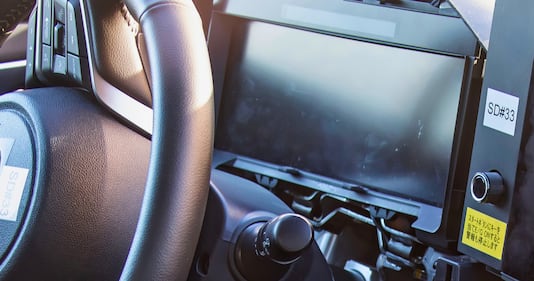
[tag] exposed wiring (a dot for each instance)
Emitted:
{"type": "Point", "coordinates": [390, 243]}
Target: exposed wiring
{"type": "Point", "coordinates": [398, 233]}
{"type": "Point", "coordinates": [353, 215]}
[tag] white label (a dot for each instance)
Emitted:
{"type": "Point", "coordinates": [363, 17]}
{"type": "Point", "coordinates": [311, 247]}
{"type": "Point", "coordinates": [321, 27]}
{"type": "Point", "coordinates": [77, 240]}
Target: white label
{"type": "Point", "coordinates": [500, 112]}
{"type": "Point", "coordinates": [12, 182]}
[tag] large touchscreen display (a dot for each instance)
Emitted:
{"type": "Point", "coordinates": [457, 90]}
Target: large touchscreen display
{"type": "Point", "coordinates": [365, 113]}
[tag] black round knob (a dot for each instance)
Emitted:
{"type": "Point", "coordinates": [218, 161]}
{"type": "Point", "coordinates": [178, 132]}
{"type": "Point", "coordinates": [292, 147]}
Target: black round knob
{"type": "Point", "coordinates": [487, 187]}
{"type": "Point", "coordinates": [284, 238]}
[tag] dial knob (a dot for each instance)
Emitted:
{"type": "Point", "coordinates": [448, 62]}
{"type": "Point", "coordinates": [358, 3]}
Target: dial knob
{"type": "Point", "coordinates": [265, 251]}
{"type": "Point", "coordinates": [284, 238]}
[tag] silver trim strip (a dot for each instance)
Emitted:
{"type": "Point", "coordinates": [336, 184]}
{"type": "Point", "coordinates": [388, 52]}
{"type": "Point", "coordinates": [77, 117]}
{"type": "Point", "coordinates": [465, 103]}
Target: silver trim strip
{"type": "Point", "coordinates": [12, 64]}
{"type": "Point", "coordinates": [133, 111]}
{"type": "Point", "coordinates": [119, 102]}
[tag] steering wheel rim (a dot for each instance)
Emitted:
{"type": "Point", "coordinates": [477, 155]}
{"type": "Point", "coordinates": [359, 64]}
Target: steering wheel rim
{"type": "Point", "coordinates": [178, 179]}
{"type": "Point", "coordinates": [72, 218]}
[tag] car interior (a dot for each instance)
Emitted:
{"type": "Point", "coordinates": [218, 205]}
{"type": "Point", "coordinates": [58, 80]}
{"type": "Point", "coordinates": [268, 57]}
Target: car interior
{"type": "Point", "coordinates": [281, 140]}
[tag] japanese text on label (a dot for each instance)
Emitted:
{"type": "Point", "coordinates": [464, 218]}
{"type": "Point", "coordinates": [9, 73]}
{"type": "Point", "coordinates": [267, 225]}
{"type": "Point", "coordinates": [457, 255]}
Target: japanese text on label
{"type": "Point", "coordinates": [484, 233]}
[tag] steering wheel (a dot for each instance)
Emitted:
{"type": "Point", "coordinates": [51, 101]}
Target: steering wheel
{"type": "Point", "coordinates": [50, 129]}
{"type": "Point", "coordinates": [182, 138]}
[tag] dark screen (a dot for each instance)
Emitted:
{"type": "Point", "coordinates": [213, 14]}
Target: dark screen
{"type": "Point", "coordinates": [365, 113]}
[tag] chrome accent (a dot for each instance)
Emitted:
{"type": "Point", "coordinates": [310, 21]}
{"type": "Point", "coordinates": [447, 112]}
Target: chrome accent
{"type": "Point", "coordinates": [119, 102]}
{"type": "Point", "coordinates": [12, 65]}
{"type": "Point", "coordinates": [133, 111]}
{"type": "Point", "coordinates": [492, 184]}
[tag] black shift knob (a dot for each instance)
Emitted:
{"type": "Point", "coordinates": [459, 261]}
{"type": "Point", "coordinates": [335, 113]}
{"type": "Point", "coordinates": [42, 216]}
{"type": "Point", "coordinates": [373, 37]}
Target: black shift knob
{"type": "Point", "coordinates": [284, 238]}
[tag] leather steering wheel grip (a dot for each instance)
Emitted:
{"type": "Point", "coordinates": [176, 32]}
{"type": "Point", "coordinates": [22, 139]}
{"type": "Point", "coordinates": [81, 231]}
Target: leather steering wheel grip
{"type": "Point", "coordinates": [182, 142]}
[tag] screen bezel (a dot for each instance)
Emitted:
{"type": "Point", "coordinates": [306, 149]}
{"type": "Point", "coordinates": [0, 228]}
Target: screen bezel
{"type": "Point", "coordinates": [223, 30]}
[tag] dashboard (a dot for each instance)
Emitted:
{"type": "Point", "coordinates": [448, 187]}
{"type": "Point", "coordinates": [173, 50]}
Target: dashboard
{"type": "Point", "coordinates": [363, 116]}
{"type": "Point", "coordinates": [389, 130]}
{"type": "Point", "coordinates": [367, 108]}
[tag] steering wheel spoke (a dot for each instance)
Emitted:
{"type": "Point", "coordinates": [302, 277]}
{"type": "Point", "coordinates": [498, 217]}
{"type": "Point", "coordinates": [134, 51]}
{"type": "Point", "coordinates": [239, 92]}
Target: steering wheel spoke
{"type": "Point", "coordinates": [86, 178]}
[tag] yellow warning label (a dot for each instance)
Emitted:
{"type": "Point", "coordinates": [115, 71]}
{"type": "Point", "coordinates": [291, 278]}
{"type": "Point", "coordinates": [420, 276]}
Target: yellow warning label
{"type": "Point", "coordinates": [484, 233]}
